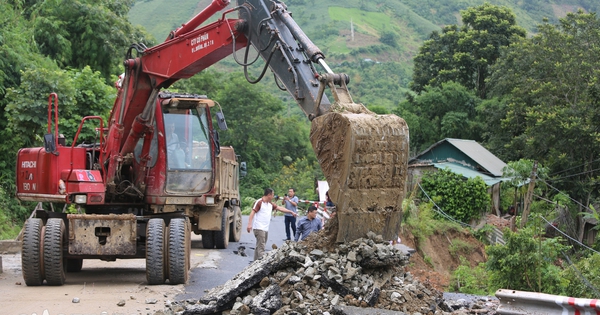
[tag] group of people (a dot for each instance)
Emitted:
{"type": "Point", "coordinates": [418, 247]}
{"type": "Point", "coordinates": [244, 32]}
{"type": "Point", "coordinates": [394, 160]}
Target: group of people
{"type": "Point", "coordinates": [260, 218]}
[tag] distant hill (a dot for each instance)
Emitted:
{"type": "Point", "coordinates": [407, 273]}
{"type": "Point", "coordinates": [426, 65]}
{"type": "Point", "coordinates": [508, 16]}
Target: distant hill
{"type": "Point", "coordinates": [385, 32]}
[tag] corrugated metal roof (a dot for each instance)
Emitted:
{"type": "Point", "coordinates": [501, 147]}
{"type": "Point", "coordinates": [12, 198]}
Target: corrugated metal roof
{"type": "Point", "coordinates": [475, 151]}
{"type": "Point", "coordinates": [480, 155]}
{"type": "Point", "coordinates": [467, 172]}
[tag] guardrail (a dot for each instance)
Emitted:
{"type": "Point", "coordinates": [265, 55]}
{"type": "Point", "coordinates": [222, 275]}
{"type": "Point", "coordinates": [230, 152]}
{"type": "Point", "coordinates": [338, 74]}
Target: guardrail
{"type": "Point", "coordinates": [531, 303]}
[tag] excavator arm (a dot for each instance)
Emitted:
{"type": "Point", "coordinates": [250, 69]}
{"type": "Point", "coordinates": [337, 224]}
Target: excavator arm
{"type": "Point", "coordinates": [363, 156]}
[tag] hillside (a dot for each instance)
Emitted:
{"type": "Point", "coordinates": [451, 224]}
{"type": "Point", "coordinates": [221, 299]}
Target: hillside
{"type": "Point", "coordinates": [386, 34]}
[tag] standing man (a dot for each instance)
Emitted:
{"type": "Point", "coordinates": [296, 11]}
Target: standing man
{"type": "Point", "coordinates": [290, 201]}
{"type": "Point", "coordinates": [310, 223]}
{"type": "Point", "coordinates": [260, 218]}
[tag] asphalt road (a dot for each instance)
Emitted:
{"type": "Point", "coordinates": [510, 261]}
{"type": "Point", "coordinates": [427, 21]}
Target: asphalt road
{"type": "Point", "coordinates": [226, 263]}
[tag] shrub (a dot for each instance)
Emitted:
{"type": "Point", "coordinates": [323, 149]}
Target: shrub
{"type": "Point", "coordinates": [469, 280]}
{"type": "Point", "coordinates": [462, 199]}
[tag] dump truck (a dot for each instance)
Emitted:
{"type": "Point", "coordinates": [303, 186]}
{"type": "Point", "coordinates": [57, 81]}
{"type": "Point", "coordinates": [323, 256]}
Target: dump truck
{"type": "Point", "coordinates": [157, 171]}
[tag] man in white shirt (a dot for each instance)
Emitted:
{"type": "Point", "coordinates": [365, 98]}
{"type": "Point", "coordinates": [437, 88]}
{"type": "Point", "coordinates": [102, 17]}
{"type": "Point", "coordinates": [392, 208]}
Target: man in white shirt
{"type": "Point", "coordinates": [260, 218]}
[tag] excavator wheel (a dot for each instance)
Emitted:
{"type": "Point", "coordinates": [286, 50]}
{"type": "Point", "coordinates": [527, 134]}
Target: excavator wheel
{"type": "Point", "coordinates": [222, 236]}
{"type": "Point", "coordinates": [31, 254]}
{"type": "Point", "coordinates": [235, 228]}
{"type": "Point", "coordinates": [74, 264]}
{"type": "Point", "coordinates": [364, 158]}
{"type": "Point", "coordinates": [178, 251]}
{"type": "Point", "coordinates": [208, 239]}
{"type": "Point", "coordinates": [155, 251]}
{"type": "Point", "coordinates": [54, 262]}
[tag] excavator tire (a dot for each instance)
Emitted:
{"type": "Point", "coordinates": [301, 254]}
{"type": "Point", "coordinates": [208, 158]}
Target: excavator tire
{"type": "Point", "coordinates": [31, 254]}
{"type": "Point", "coordinates": [222, 236]}
{"type": "Point", "coordinates": [74, 264]}
{"type": "Point", "coordinates": [235, 228]}
{"type": "Point", "coordinates": [364, 158]}
{"type": "Point", "coordinates": [179, 242]}
{"type": "Point", "coordinates": [54, 263]}
{"type": "Point", "coordinates": [155, 251]}
{"type": "Point", "coordinates": [208, 239]}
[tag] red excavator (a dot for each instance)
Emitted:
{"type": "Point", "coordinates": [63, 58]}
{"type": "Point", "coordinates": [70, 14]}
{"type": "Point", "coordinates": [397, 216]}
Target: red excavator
{"type": "Point", "coordinates": [157, 171]}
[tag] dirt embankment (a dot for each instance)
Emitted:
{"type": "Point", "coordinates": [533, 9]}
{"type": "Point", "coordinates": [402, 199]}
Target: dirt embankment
{"type": "Point", "coordinates": [438, 255]}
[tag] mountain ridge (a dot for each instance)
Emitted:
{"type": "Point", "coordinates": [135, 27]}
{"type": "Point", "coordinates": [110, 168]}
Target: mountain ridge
{"type": "Point", "coordinates": [386, 33]}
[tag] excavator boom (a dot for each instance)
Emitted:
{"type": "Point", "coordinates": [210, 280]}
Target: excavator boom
{"type": "Point", "coordinates": [363, 156]}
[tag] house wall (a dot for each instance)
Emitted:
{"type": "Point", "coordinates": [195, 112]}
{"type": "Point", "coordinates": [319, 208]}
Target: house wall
{"type": "Point", "coordinates": [414, 176]}
{"type": "Point", "coordinates": [446, 152]}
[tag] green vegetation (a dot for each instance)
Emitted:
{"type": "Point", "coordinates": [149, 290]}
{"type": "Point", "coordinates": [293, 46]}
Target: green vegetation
{"type": "Point", "coordinates": [469, 280]}
{"type": "Point", "coordinates": [461, 199]}
{"type": "Point", "coordinates": [526, 262]}
{"type": "Point", "coordinates": [459, 247]}
{"type": "Point", "coordinates": [583, 277]}
{"type": "Point", "coordinates": [366, 22]}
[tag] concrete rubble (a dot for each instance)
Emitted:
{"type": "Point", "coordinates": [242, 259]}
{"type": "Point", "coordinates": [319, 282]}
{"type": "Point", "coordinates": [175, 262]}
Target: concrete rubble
{"type": "Point", "coordinates": [365, 276]}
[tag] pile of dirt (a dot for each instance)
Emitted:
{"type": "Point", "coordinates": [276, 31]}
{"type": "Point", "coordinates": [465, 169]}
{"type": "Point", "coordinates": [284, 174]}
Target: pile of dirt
{"type": "Point", "coordinates": [301, 279]}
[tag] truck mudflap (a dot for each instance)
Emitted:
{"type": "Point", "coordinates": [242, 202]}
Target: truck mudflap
{"type": "Point", "coordinates": [364, 158]}
{"type": "Point", "coordinates": [102, 234]}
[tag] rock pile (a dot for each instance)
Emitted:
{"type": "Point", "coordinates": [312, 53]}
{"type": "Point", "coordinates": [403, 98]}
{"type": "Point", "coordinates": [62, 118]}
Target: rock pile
{"type": "Point", "coordinates": [320, 279]}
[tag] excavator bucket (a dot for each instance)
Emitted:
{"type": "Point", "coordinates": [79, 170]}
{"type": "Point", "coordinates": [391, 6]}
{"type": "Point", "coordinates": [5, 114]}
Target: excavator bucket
{"type": "Point", "coordinates": [364, 157]}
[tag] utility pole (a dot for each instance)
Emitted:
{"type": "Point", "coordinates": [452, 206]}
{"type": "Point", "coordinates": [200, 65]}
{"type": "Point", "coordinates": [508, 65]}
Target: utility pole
{"type": "Point", "coordinates": [529, 195]}
{"type": "Point", "coordinates": [351, 30]}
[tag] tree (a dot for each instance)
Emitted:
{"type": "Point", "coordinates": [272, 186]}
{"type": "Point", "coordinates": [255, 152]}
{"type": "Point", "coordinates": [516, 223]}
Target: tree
{"type": "Point", "coordinates": [550, 86]}
{"type": "Point", "coordinates": [299, 175]}
{"type": "Point", "coordinates": [389, 38]}
{"type": "Point", "coordinates": [525, 263]}
{"type": "Point", "coordinates": [464, 54]}
{"type": "Point", "coordinates": [79, 33]}
{"type": "Point", "coordinates": [260, 135]}
{"type": "Point", "coordinates": [447, 111]}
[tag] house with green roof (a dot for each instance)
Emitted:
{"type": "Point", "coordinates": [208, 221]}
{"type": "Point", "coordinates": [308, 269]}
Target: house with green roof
{"type": "Point", "coordinates": [465, 157]}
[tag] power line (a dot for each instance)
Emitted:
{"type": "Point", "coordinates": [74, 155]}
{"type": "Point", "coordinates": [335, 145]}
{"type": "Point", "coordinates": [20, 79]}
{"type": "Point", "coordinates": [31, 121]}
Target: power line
{"type": "Point", "coordinates": [574, 167]}
{"type": "Point", "coordinates": [575, 201]}
{"type": "Point", "coordinates": [567, 236]}
{"type": "Point", "coordinates": [583, 278]}
{"type": "Point", "coordinates": [573, 175]}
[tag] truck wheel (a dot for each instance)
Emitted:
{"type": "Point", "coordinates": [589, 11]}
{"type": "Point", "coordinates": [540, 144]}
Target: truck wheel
{"type": "Point", "coordinates": [74, 264]}
{"type": "Point", "coordinates": [179, 242]}
{"type": "Point", "coordinates": [54, 264]}
{"type": "Point", "coordinates": [222, 236]}
{"type": "Point", "coordinates": [235, 229]}
{"type": "Point", "coordinates": [31, 255]}
{"type": "Point", "coordinates": [208, 239]}
{"type": "Point", "coordinates": [155, 251]}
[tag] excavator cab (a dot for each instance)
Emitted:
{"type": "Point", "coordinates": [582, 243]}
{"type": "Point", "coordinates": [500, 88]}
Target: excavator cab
{"type": "Point", "coordinates": [183, 145]}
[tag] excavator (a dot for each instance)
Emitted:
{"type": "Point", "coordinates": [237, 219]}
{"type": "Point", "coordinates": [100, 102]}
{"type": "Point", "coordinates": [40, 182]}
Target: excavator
{"type": "Point", "coordinates": [157, 171]}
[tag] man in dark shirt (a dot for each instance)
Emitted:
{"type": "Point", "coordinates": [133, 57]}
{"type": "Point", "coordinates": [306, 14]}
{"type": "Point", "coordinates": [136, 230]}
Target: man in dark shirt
{"type": "Point", "coordinates": [310, 223]}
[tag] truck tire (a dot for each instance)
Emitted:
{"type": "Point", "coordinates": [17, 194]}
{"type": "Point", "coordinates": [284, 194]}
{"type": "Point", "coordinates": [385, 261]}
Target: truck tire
{"type": "Point", "coordinates": [155, 251]}
{"type": "Point", "coordinates": [179, 243]}
{"type": "Point", "coordinates": [74, 264]}
{"type": "Point", "coordinates": [31, 255]}
{"type": "Point", "coordinates": [222, 236]}
{"type": "Point", "coordinates": [208, 239]}
{"type": "Point", "coordinates": [235, 229]}
{"type": "Point", "coordinates": [54, 263]}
